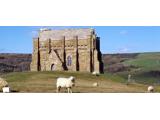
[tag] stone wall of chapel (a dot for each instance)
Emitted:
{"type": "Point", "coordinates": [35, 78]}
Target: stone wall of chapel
{"type": "Point", "coordinates": [84, 53]}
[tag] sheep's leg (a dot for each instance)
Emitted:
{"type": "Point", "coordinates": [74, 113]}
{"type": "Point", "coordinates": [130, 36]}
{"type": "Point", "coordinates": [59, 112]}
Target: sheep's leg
{"type": "Point", "coordinates": [68, 90]}
{"type": "Point", "coordinates": [58, 89]}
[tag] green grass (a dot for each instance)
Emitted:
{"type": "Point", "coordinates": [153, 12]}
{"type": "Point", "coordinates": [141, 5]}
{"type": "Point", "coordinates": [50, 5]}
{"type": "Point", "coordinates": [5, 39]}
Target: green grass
{"type": "Point", "coordinates": [115, 77]}
{"type": "Point", "coordinates": [45, 82]}
{"type": "Point", "coordinates": [145, 63]}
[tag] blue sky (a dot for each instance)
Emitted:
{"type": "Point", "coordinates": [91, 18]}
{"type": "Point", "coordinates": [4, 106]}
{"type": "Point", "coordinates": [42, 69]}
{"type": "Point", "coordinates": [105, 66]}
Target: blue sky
{"type": "Point", "coordinates": [114, 39]}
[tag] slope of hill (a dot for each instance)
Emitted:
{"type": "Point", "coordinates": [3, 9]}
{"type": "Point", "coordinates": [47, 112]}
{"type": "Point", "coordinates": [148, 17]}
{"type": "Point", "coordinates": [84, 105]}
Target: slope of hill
{"type": "Point", "coordinates": [146, 61]}
{"type": "Point", "coordinates": [114, 62]}
{"type": "Point", "coordinates": [45, 82]}
{"type": "Point", "coordinates": [14, 62]}
{"type": "Point", "coordinates": [144, 67]}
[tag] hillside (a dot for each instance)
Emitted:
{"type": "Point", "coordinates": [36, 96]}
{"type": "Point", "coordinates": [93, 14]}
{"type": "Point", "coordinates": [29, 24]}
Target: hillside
{"type": "Point", "coordinates": [114, 62]}
{"type": "Point", "coordinates": [144, 67]}
{"type": "Point", "coordinates": [45, 82]}
{"type": "Point", "coordinates": [14, 62]}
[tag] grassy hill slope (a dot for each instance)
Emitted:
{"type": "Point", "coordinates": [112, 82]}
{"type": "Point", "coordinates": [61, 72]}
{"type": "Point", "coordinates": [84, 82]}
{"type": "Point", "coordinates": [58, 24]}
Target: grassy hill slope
{"type": "Point", "coordinates": [46, 82]}
{"type": "Point", "coordinates": [146, 61]}
{"type": "Point", "coordinates": [144, 67]}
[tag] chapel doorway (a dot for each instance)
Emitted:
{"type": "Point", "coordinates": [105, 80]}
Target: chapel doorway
{"type": "Point", "coordinates": [53, 67]}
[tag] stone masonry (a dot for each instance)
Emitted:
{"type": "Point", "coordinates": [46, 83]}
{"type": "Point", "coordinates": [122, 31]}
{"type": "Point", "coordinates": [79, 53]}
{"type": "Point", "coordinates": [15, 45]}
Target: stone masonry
{"type": "Point", "coordinates": [68, 49]}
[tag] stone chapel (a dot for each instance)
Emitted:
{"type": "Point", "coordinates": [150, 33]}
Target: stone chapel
{"type": "Point", "coordinates": [68, 49]}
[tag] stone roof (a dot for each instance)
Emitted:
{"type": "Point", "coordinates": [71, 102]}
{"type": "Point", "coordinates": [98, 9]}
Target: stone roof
{"type": "Point", "coordinates": [68, 33]}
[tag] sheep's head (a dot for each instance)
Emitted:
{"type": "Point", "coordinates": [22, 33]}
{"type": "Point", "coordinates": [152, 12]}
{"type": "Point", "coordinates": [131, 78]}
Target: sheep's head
{"type": "Point", "coordinates": [95, 73]}
{"type": "Point", "coordinates": [150, 89]}
{"type": "Point", "coordinates": [72, 80]}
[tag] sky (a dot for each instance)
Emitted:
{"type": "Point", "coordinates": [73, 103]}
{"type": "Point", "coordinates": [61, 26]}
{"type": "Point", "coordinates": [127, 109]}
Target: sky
{"type": "Point", "coordinates": [113, 39]}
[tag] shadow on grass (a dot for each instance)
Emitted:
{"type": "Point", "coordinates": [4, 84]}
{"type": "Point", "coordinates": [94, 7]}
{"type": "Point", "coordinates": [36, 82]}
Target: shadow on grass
{"type": "Point", "coordinates": [14, 91]}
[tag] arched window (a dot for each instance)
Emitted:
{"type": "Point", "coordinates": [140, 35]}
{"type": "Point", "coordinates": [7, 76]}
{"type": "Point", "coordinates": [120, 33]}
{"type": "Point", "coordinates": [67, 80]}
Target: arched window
{"type": "Point", "coordinates": [69, 61]}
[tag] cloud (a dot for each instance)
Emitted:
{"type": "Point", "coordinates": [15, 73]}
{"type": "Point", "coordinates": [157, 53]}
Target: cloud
{"type": "Point", "coordinates": [124, 32]}
{"type": "Point", "coordinates": [124, 50]}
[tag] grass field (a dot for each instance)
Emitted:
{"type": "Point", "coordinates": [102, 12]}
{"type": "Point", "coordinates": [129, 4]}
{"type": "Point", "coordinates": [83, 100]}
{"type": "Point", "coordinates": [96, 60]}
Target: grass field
{"type": "Point", "coordinates": [147, 68]}
{"type": "Point", "coordinates": [146, 61]}
{"type": "Point", "coordinates": [45, 82]}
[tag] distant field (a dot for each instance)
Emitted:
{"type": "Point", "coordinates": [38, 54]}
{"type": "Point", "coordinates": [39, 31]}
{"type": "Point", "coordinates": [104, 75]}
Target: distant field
{"type": "Point", "coordinates": [144, 67]}
{"type": "Point", "coordinates": [45, 82]}
{"type": "Point", "coordinates": [146, 61]}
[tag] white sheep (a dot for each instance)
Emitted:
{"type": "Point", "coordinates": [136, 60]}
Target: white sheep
{"type": "Point", "coordinates": [6, 89]}
{"type": "Point", "coordinates": [150, 89]}
{"type": "Point", "coordinates": [65, 83]}
{"type": "Point", "coordinates": [95, 84]}
{"type": "Point", "coordinates": [95, 73]}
